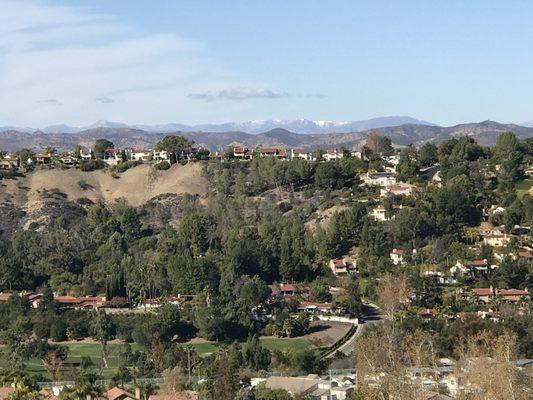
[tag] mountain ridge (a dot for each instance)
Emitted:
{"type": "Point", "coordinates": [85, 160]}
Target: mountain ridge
{"type": "Point", "coordinates": [485, 132]}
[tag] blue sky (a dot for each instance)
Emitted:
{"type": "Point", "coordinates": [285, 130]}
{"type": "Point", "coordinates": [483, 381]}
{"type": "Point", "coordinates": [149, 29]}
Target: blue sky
{"type": "Point", "coordinates": [214, 61]}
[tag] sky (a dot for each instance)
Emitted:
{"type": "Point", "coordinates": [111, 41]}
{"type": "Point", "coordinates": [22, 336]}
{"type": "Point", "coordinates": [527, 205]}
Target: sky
{"type": "Point", "coordinates": [157, 61]}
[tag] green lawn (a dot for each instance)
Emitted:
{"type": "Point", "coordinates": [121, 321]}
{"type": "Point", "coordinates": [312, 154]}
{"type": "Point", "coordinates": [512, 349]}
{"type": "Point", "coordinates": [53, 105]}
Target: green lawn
{"type": "Point", "coordinates": [76, 352]}
{"type": "Point", "coordinates": [523, 186]}
{"type": "Point", "coordinates": [79, 350]}
{"type": "Point", "coordinates": [297, 344]}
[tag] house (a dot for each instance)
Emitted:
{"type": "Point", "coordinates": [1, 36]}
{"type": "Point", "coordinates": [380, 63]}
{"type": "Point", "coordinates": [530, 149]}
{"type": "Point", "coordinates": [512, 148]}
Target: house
{"type": "Point", "coordinates": [42, 159]}
{"type": "Point", "coordinates": [5, 296]}
{"type": "Point", "coordinates": [68, 160]}
{"type": "Point", "coordinates": [332, 155]}
{"type": "Point", "coordinates": [342, 266]}
{"type": "Point", "coordinates": [289, 290]}
{"type": "Point", "coordinates": [315, 307]}
{"type": "Point", "coordinates": [160, 156]}
{"type": "Point", "coordinates": [379, 178]}
{"type": "Point", "coordinates": [525, 255]}
{"type": "Point", "coordinates": [242, 153]}
{"type": "Point", "coordinates": [402, 189]}
{"type": "Point", "coordinates": [310, 386]}
{"type": "Point", "coordinates": [9, 162]}
{"type": "Point", "coordinates": [111, 156]}
{"type": "Point", "coordinates": [512, 295]}
{"type": "Point", "coordinates": [498, 240]}
{"type": "Point", "coordinates": [134, 154]}
{"type": "Point", "coordinates": [396, 256]}
{"type": "Point", "coordinates": [302, 154]}
{"type": "Point", "coordinates": [117, 393]}
{"type": "Point", "coordinates": [272, 152]}
{"type": "Point", "coordinates": [486, 229]}
{"type": "Point", "coordinates": [82, 303]}
{"type": "Point", "coordinates": [426, 313]}
{"type": "Point", "coordinates": [185, 395]}
{"type": "Point", "coordinates": [85, 154]}
{"type": "Point", "coordinates": [393, 159]}
{"type": "Point", "coordinates": [483, 295]}
{"type": "Point", "coordinates": [379, 213]}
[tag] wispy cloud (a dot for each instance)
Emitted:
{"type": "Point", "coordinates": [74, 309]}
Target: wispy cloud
{"type": "Point", "coordinates": [238, 94]}
{"type": "Point", "coordinates": [104, 100]}
{"type": "Point", "coordinates": [51, 102]}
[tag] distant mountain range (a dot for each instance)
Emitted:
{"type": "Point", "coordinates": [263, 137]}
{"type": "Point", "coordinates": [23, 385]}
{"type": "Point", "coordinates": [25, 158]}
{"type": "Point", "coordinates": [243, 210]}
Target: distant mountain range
{"type": "Point", "coordinates": [485, 132]}
{"type": "Point", "coordinates": [297, 126]}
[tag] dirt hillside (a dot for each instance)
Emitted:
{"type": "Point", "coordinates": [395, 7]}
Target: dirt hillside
{"type": "Point", "coordinates": [137, 185]}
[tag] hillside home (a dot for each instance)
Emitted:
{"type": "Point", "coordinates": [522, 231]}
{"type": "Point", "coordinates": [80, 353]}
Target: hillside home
{"type": "Point", "coordinates": [272, 152]}
{"type": "Point", "coordinates": [499, 240]}
{"type": "Point", "coordinates": [402, 189]}
{"type": "Point", "coordinates": [134, 154]}
{"type": "Point", "coordinates": [525, 255]}
{"type": "Point", "coordinates": [379, 213]}
{"type": "Point", "coordinates": [289, 290]}
{"type": "Point", "coordinates": [242, 153]}
{"type": "Point", "coordinates": [486, 229]}
{"type": "Point", "coordinates": [342, 266]}
{"type": "Point", "coordinates": [42, 159]}
{"type": "Point", "coordinates": [302, 154]}
{"type": "Point", "coordinates": [85, 154]}
{"type": "Point", "coordinates": [332, 155]}
{"type": "Point", "coordinates": [111, 156]}
{"type": "Point", "coordinates": [117, 393]}
{"type": "Point", "coordinates": [68, 160]}
{"type": "Point", "coordinates": [396, 256]}
{"type": "Point", "coordinates": [9, 162]}
{"type": "Point", "coordinates": [379, 178]}
{"type": "Point", "coordinates": [160, 156]}
{"type": "Point", "coordinates": [314, 307]}
{"type": "Point", "coordinates": [184, 395]}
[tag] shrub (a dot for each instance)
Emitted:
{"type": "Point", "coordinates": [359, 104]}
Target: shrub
{"type": "Point", "coordinates": [163, 165]}
{"type": "Point", "coordinates": [91, 165]}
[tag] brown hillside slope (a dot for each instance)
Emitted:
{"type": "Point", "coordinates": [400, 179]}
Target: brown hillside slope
{"type": "Point", "coordinates": [137, 185]}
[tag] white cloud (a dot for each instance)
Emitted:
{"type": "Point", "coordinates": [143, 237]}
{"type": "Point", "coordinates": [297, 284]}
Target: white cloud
{"type": "Point", "coordinates": [238, 94]}
{"type": "Point", "coordinates": [85, 59]}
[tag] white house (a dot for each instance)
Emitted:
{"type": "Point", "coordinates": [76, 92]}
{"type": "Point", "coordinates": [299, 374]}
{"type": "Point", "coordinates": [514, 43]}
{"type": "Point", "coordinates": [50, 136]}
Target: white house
{"type": "Point", "coordinates": [396, 256]}
{"type": "Point", "coordinates": [379, 213]}
{"type": "Point", "coordinates": [302, 154]}
{"type": "Point", "coordinates": [85, 154]}
{"type": "Point", "coordinates": [138, 154]}
{"type": "Point", "coordinates": [159, 155]}
{"type": "Point", "coordinates": [111, 156]}
{"type": "Point", "coordinates": [332, 155]}
{"type": "Point", "coordinates": [379, 178]}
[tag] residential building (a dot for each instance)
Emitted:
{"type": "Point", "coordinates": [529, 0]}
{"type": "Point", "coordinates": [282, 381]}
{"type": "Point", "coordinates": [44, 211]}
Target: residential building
{"type": "Point", "coordinates": [111, 156]}
{"type": "Point", "coordinates": [134, 154]}
{"type": "Point", "coordinates": [42, 159]}
{"type": "Point", "coordinates": [9, 162]}
{"type": "Point", "coordinates": [302, 154]}
{"type": "Point", "coordinates": [289, 290]}
{"type": "Point", "coordinates": [342, 266]}
{"type": "Point", "coordinates": [160, 156]}
{"type": "Point", "coordinates": [332, 155]}
{"type": "Point", "coordinates": [379, 178]}
{"type": "Point", "coordinates": [184, 395]}
{"type": "Point", "coordinates": [68, 160]}
{"type": "Point", "coordinates": [396, 256]}
{"type": "Point", "coordinates": [315, 307]}
{"type": "Point", "coordinates": [402, 189]}
{"type": "Point", "coordinates": [379, 213]}
{"type": "Point", "coordinates": [272, 152]}
{"type": "Point", "coordinates": [498, 240]}
{"type": "Point", "coordinates": [242, 153]}
{"type": "Point", "coordinates": [85, 154]}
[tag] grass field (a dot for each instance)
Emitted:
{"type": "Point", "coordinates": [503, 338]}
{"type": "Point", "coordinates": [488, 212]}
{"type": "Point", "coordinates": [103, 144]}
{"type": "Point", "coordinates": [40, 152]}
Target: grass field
{"type": "Point", "coordinates": [523, 186]}
{"type": "Point", "coordinates": [79, 350]}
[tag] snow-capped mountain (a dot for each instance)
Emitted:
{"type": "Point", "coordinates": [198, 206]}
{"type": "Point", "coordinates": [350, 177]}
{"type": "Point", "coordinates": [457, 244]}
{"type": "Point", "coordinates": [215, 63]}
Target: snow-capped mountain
{"type": "Point", "coordinates": [253, 127]}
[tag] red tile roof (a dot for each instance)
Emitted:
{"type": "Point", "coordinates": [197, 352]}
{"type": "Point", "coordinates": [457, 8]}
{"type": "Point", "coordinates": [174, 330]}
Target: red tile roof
{"type": "Point", "coordinates": [482, 291]}
{"type": "Point", "coordinates": [512, 292]}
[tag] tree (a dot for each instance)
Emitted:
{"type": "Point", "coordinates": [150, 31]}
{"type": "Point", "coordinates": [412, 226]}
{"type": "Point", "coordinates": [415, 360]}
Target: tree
{"type": "Point", "coordinates": [394, 293]}
{"type": "Point", "coordinates": [378, 144]}
{"type": "Point", "coordinates": [100, 146]}
{"type": "Point", "coordinates": [428, 154]}
{"type": "Point", "coordinates": [177, 147]}
{"type": "Point", "coordinates": [103, 331]}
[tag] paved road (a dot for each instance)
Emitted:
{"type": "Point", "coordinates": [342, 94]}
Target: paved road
{"type": "Point", "coordinates": [372, 316]}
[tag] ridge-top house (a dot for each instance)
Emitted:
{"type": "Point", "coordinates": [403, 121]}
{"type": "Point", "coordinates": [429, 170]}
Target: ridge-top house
{"type": "Point", "coordinates": [111, 156]}
{"type": "Point", "coordinates": [85, 154]}
{"type": "Point", "coordinates": [302, 154]}
{"type": "Point", "coordinates": [242, 153]}
{"type": "Point", "coordinates": [272, 152]}
{"type": "Point", "coordinates": [42, 159]}
{"type": "Point", "coordinates": [134, 154]}
{"type": "Point", "coordinates": [9, 162]}
{"type": "Point", "coordinates": [379, 178]}
{"type": "Point", "coordinates": [499, 240]}
{"type": "Point", "coordinates": [332, 155]}
{"type": "Point", "coordinates": [342, 266]}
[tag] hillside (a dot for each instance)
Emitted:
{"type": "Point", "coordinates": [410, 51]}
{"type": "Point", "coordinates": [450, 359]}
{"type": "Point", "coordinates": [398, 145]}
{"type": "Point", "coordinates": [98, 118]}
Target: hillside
{"type": "Point", "coordinates": [44, 193]}
{"type": "Point", "coordinates": [486, 133]}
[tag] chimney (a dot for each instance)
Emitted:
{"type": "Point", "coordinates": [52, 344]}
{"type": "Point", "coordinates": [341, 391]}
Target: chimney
{"type": "Point", "coordinates": [138, 392]}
